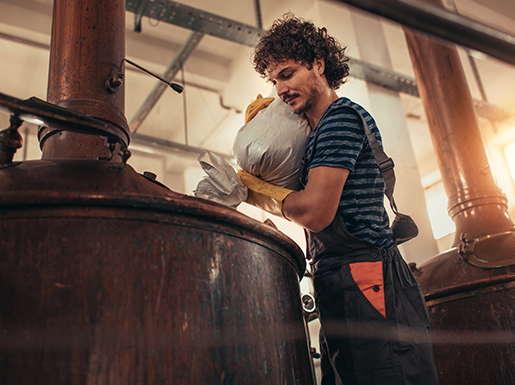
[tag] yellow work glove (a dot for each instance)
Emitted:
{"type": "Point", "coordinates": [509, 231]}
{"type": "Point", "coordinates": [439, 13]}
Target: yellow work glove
{"type": "Point", "coordinates": [264, 195]}
{"type": "Point", "coordinates": [256, 106]}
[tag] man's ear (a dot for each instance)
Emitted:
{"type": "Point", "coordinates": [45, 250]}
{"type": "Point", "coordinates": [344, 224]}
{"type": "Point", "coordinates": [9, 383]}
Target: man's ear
{"type": "Point", "coordinates": [319, 65]}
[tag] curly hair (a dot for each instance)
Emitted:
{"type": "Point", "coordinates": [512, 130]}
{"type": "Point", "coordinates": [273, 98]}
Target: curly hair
{"type": "Point", "coordinates": [294, 38]}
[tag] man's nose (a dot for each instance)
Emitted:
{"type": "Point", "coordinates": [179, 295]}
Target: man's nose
{"type": "Point", "coordinates": [281, 88]}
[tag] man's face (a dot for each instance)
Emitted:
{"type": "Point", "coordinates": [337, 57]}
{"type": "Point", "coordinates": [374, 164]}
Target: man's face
{"type": "Point", "coordinates": [296, 84]}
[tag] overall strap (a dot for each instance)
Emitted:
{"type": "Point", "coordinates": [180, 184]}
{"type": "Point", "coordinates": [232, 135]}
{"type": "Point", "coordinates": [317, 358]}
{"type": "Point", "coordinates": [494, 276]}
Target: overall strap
{"type": "Point", "coordinates": [384, 162]}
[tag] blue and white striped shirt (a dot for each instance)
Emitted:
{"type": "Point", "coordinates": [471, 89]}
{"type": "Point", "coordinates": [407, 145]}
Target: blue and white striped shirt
{"type": "Point", "coordinates": [341, 142]}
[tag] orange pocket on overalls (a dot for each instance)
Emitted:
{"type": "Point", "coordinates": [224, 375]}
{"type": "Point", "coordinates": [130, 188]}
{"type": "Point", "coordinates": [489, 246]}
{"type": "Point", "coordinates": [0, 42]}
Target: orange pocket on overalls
{"type": "Point", "coordinates": [368, 276]}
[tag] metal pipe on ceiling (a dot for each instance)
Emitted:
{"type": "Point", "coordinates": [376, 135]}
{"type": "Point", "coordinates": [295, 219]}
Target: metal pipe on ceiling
{"type": "Point", "coordinates": [443, 24]}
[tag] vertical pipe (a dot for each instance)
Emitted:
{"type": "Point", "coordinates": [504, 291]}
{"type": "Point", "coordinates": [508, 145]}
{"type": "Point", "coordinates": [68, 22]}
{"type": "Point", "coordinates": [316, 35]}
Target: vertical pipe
{"type": "Point", "coordinates": [476, 204]}
{"type": "Point", "coordinates": [468, 289]}
{"type": "Point", "coordinates": [87, 48]}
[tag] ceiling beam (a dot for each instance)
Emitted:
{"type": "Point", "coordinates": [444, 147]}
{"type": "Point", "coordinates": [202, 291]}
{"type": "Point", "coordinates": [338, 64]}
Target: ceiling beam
{"type": "Point", "coordinates": [397, 82]}
{"type": "Point", "coordinates": [181, 15]}
{"type": "Point", "coordinates": [175, 13]}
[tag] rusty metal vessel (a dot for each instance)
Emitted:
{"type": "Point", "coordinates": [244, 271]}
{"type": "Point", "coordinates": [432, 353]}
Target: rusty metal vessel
{"type": "Point", "coordinates": [469, 289]}
{"type": "Point", "coordinates": [107, 276]}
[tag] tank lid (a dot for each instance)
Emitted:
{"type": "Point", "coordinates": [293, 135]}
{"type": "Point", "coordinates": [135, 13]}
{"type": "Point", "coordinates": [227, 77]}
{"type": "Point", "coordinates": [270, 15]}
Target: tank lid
{"type": "Point", "coordinates": [58, 183]}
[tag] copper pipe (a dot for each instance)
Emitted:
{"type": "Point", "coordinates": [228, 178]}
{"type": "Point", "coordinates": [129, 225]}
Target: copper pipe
{"type": "Point", "coordinates": [476, 204]}
{"type": "Point", "coordinates": [87, 48]}
{"type": "Point", "coordinates": [467, 287]}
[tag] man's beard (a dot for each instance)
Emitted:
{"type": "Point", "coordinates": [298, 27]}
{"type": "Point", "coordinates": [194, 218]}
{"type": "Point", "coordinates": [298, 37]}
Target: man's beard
{"type": "Point", "coordinates": [311, 97]}
{"type": "Point", "coordinates": [308, 104]}
{"type": "Point", "coordinates": [305, 107]}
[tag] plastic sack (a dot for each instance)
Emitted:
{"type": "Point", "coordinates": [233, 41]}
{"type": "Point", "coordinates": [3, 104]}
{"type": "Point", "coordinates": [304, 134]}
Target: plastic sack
{"type": "Point", "coordinates": [272, 144]}
{"type": "Point", "coordinates": [222, 184]}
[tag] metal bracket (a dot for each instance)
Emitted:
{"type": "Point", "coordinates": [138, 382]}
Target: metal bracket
{"type": "Point", "coordinates": [114, 82]}
{"type": "Point", "coordinates": [479, 251]}
{"type": "Point", "coordinates": [119, 154]}
{"type": "Point", "coordinates": [465, 247]}
{"type": "Point", "coordinates": [10, 140]}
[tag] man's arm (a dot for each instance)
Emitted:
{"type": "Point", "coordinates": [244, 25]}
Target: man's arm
{"type": "Point", "coordinates": [314, 207]}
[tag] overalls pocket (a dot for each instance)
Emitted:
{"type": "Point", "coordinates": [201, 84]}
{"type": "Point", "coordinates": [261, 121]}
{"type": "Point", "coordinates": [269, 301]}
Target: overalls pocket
{"type": "Point", "coordinates": [352, 312]}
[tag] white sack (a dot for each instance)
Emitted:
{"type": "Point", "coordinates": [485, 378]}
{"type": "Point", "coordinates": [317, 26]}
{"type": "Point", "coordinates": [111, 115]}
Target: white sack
{"type": "Point", "coordinates": [272, 144]}
{"type": "Point", "coordinates": [222, 184]}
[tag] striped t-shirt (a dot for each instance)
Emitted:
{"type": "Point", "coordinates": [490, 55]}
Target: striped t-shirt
{"type": "Point", "coordinates": [341, 142]}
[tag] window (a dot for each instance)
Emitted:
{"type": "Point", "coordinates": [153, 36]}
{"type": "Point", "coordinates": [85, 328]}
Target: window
{"type": "Point", "coordinates": [436, 204]}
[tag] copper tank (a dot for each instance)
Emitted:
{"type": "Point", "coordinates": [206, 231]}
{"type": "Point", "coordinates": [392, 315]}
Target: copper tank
{"type": "Point", "coordinates": [107, 276]}
{"type": "Point", "coordinates": [469, 289]}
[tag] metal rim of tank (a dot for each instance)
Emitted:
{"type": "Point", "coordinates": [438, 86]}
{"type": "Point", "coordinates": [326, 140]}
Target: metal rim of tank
{"type": "Point", "coordinates": [167, 203]}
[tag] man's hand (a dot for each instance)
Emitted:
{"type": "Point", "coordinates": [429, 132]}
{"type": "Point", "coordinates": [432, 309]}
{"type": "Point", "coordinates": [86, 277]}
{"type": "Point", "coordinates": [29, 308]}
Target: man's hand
{"type": "Point", "coordinates": [264, 195]}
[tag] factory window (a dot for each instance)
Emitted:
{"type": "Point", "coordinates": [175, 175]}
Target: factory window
{"type": "Point", "coordinates": [436, 204]}
{"type": "Point", "coordinates": [509, 154]}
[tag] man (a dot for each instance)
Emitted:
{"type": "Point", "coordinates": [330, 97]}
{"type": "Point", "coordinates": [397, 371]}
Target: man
{"type": "Point", "coordinates": [375, 328]}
